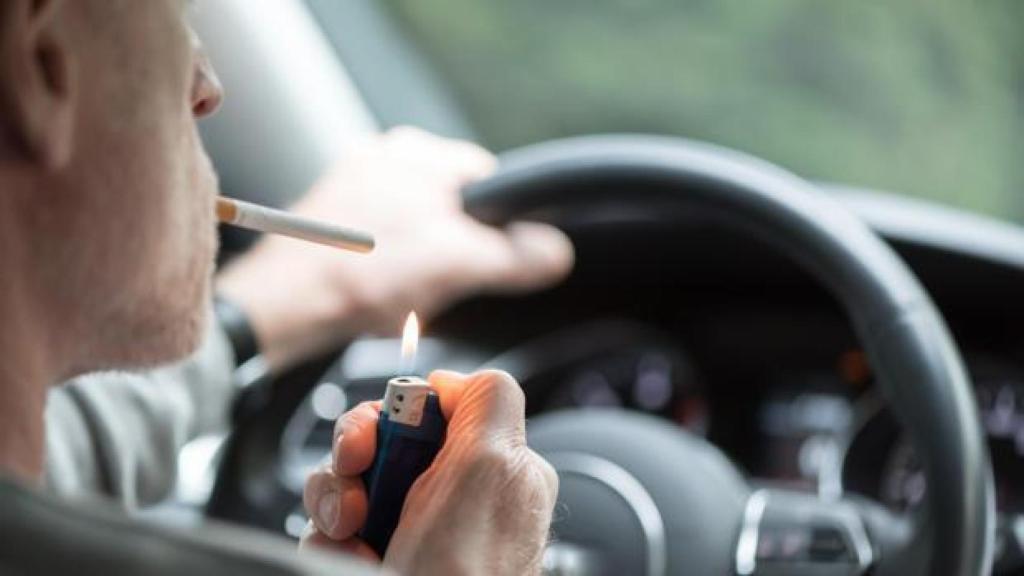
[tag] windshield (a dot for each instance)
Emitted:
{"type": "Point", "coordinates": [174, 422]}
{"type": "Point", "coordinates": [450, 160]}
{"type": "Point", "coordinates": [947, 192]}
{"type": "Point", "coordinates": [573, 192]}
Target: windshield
{"type": "Point", "coordinates": [924, 98]}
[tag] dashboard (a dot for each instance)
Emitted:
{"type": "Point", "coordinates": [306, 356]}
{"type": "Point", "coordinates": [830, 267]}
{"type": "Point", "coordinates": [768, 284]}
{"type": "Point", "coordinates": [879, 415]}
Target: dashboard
{"type": "Point", "coordinates": [730, 341]}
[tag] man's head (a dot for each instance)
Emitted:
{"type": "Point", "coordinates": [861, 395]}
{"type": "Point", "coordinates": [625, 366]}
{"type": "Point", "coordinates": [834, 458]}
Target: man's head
{"type": "Point", "coordinates": [106, 195]}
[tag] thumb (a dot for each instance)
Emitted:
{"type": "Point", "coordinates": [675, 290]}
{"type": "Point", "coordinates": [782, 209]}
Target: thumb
{"type": "Point", "coordinates": [524, 256]}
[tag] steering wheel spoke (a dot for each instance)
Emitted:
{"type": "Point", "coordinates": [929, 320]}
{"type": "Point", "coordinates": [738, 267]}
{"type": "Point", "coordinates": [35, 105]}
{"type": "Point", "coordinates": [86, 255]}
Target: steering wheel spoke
{"type": "Point", "coordinates": [796, 534]}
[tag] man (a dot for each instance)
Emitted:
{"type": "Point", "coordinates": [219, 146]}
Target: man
{"type": "Point", "coordinates": [118, 434]}
{"type": "Point", "coordinates": [106, 247]}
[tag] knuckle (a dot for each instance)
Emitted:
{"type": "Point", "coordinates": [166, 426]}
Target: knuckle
{"type": "Point", "coordinates": [317, 483]}
{"type": "Point", "coordinates": [501, 386]}
{"type": "Point", "coordinates": [519, 470]}
{"type": "Point", "coordinates": [405, 133]}
{"type": "Point", "coordinates": [494, 466]}
{"type": "Point", "coordinates": [463, 154]}
{"type": "Point", "coordinates": [490, 459]}
{"type": "Point", "coordinates": [476, 154]}
{"type": "Point", "coordinates": [547, 473]}
{"type": "Point", "coordinates": [352, 417]}
{"type": "Point", "coordinates": [364, 407]}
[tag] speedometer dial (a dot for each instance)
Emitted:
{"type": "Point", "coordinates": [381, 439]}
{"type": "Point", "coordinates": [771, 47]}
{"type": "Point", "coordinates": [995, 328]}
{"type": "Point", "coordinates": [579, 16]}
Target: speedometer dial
{"type": "Point", "coordinates": [649, 378]}
{"type": "Point", "coordinates": [1001, 403]}
{"type": "Point", "coordinates": [609, 363]}
{"type": "Point", "coordinates": [881, 463]}
{"type": "Point", "coordinates": [898, 480]}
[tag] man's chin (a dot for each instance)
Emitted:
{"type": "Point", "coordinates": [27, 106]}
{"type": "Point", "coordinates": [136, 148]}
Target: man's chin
{"type": "Point", "coordinates": [159, 345]}
{"type": "Point", "coordinates": [159, 336]}
{"type": "Point", "coordinates": [178, 341]}
{"type": "Point", "coordinates": [176, 328]}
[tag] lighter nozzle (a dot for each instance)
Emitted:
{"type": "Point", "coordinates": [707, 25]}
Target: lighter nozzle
{"type": "Point", "coordinates": [404, 399]}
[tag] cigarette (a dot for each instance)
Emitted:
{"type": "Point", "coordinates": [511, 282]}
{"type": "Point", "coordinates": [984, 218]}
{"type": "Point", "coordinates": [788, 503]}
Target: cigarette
{"type": "Point", "coordinates": [263, 219]}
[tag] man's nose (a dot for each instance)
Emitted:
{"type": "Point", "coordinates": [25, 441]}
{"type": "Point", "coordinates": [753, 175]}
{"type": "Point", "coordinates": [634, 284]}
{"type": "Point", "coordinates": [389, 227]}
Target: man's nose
{"type": "Point", "coordinates": [207, 92]}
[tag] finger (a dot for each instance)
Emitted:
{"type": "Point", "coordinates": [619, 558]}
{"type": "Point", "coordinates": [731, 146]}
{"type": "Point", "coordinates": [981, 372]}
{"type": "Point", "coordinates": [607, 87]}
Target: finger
{"type": "Point", "coordinates": [314, 540]}
{"type": "Point", "coordinates": [468, 161]}
{"type": "Point", "coordinates": [488, 401]}
{"type": "Point", "coordinates": [361, 410]}
{"type": "Point", "coordinates": [448, 384]}
{"type": "Point", "coordinates": [475, 162]}
{"type": "Point", "coordinates": [337, 505]}
{"type": "Point", "coordinates": [525, 256]}
{"type": "Point", "coordinates": [355, 439]}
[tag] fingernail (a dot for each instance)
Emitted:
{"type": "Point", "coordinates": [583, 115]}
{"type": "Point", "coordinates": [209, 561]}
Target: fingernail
{"type": "Point", "coordinates": [338, 453]}
{"type": "Point", "coordinates": [347, 424]}
{"type": "Point", "coordinates": [327, 511]}
{"type": "Point", "coordinates": [347, 428]}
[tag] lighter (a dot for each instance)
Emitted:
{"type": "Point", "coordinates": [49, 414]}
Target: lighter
{"type": "Point", "coordinates": [409, 434]}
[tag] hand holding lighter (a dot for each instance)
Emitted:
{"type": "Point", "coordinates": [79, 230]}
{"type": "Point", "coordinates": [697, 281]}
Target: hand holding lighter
{"type": "Point", "coordinates": [410, 433]}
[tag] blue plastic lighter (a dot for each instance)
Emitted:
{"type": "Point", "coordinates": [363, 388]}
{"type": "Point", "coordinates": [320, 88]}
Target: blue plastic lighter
{"type": "Point", "coordinates": [409, 435]}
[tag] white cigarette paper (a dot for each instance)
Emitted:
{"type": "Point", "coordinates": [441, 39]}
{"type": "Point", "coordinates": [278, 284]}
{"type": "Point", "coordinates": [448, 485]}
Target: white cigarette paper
{"type": "Point", "coordinates": [263, 219]}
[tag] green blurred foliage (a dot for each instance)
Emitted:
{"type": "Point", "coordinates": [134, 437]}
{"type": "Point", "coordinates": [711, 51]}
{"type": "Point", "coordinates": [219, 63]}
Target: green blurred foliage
{"type": "Point", "coordinates": [922, 97]}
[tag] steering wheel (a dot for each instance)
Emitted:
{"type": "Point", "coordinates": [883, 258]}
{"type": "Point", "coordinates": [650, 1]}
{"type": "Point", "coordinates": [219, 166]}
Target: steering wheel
{"type": "Point", "coordinates": [641, 496]}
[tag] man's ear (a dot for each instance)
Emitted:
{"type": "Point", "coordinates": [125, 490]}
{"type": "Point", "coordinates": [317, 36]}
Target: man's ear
{"type": "Point", "coordinates": [36, 82]}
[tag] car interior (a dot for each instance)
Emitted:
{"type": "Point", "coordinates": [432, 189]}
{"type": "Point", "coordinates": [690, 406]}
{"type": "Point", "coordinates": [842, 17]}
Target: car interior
{"type": "Point", "coordinates": [792, 340]}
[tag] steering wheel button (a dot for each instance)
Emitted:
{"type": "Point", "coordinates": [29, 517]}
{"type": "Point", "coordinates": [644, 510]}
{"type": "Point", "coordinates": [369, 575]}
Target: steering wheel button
{"type": "Point", "coordinates": [795, 543]}
{"type": "Point", "coordinates": [828, 545]}
{"type": "Point", "coordinates": [790, 543]}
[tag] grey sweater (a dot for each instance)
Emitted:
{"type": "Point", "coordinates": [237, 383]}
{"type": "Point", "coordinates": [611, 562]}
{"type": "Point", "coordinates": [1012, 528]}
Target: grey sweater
{"type": "Point", "coordinates": [117, 435]}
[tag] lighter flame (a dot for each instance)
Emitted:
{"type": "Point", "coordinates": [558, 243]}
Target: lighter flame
{"type": "Point", "coordinates": [410, 342]}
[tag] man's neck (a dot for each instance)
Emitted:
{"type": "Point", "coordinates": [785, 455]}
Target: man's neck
{"type": "Point", "coordinates": [26, 372]}
{"type": "Point", "coordinates": [22, 430]}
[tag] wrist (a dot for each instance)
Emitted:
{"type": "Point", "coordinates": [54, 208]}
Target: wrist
{"type": "Point", "coordinates": [290, 320]}
{"type": "Point", "coordinates": [236, 325]}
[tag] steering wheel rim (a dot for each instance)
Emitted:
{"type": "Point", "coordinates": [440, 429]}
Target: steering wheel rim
{"type": "Point", "coordinates": [903, 334]}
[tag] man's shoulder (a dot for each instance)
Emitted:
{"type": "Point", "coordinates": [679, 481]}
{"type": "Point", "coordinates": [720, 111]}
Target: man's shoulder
{"type": "Point", "coordinates": [40, 535]}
